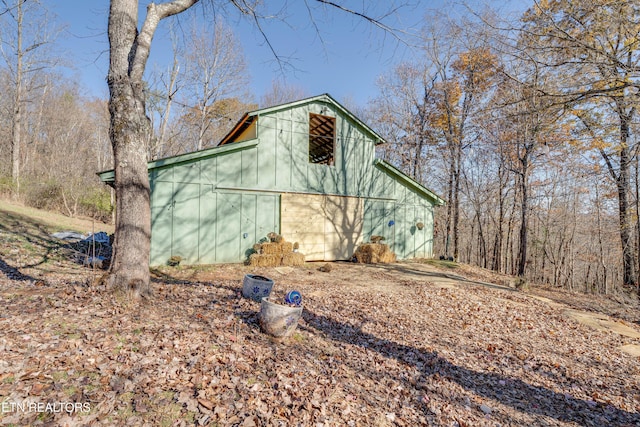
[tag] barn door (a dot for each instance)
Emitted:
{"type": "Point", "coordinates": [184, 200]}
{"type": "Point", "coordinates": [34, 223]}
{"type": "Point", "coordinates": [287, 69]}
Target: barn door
{"type": "Point", "coordinates": [328, 228]}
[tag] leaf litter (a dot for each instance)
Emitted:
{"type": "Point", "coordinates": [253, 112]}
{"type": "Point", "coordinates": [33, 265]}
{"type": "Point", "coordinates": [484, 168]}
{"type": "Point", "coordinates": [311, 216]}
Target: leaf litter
{"type": "Point", "coordinates": [375, 347]}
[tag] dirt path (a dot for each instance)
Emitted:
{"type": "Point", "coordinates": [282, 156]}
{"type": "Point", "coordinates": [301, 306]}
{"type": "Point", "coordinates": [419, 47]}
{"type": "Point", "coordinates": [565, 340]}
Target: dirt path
{"type": "Point", "coordinates": [392, 278]}
{"type": "Point", "coordinates": [597, 321]}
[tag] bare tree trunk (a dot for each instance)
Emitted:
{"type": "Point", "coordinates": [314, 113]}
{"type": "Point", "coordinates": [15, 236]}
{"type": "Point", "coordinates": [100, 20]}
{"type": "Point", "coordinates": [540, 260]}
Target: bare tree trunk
{"type": "Point", "coordinates": [128, 131]}
{"type": "Point", "coordinates": [456, 200]}
{"type": "Point", "coordinates": [16, 128]}
{"type": "Point", "coordinates": [498, 242]}
{"type": "Point", "coordinates": [622, 183]}
{"type": "Point", "coordinates": [450, 183]}
{"type": "Point", "coordinates": [601, 262]}
{"type": "Point", "coordinates": [510, 260]}
{"type": "Point", "coordinates": [524, 210]}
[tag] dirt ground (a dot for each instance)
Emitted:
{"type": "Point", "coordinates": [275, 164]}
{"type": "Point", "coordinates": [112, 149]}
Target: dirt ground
{"type": "Point", "coordinates": [405, 344]}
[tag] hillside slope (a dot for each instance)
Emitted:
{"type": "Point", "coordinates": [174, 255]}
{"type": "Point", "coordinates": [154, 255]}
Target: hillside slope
{"type": "Point", "coordinates": [404, 344]}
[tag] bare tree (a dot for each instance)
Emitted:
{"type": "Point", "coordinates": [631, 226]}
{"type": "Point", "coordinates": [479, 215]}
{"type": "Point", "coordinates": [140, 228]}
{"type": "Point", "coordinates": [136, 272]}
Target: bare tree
{"type": "Point", "coordinates": [23, 50]}
{"type": "Point", "coordinates": [214, 70]}
{"type": "Point", "coordinates": [161, 95]}
{"type": "Point", "coordinates": [405, 114]}
{"type": "Point", "coordinates": [281, 93]}
{"type": "Point", "coordinates": [591, 47]}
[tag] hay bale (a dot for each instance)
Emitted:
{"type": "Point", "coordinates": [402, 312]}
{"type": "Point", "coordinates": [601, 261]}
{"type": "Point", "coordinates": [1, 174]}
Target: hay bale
{"type": "Point", "coordinates": [271, 248]}
{"type": "Point", "coordinates": [287, 247]}
{"type": "Point", "coordinates": [276, 248]}
{"type": "Point", "coordinates": [275, 237]}
{"type": "Point", "coordinates": [265, 260]}
{"type": "Point", "coordinates": [363, 254]}
{"type": "Point", "coordinates": [387, 257]}
{"type": "Point", "coordinates": [376, 239]}
{"type": "Point", "coordinates": [293, 259]}
{"type": "Point", "coordinates": [373, 253]}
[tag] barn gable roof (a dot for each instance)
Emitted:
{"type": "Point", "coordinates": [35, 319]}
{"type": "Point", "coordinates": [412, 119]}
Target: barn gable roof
{"type": "Point", "coordinates": [249, 118]}
{"type": "Point", "coordinates": [243, 136]}
{"type": "Point", "coordinates": [408, 181]}
{"type": "Point", "coordinates": [109, 175]}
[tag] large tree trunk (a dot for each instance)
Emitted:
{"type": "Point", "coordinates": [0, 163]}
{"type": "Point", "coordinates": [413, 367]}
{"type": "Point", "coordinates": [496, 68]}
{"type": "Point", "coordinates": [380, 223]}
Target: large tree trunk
{"type": "Point", "coordinates": [522, 247]}
{"type": "Point", "coordinates": [128, 131]}
{"type": "Point", "coordinates": [623, 186]}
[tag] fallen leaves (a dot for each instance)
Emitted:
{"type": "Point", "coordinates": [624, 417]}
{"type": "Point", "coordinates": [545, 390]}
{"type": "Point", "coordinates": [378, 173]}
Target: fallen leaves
{"type": "Point", "coordinates": [372, 348]}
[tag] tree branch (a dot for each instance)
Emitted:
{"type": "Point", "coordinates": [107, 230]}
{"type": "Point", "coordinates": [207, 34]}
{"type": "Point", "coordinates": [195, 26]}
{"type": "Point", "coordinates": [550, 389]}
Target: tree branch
{"type": "Point", "coordinates": [142, 46]}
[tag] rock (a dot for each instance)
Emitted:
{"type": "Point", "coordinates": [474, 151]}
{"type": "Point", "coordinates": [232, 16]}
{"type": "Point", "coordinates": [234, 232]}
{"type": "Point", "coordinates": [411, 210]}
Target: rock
{"type": "Point", "coordinates": [485, 409]}
{"type": "Point", "coordinates": [325, 268]}
{"type": "Point", "coordinates": [206, 403]}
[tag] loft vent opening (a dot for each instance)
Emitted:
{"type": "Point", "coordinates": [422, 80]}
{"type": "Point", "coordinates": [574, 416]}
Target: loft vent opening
{"type": "Point", "coordinates": [322, 131]}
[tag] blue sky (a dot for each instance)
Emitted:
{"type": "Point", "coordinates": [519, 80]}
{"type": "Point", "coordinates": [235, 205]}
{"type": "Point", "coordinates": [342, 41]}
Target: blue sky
{"type": "Point", "coordinates": [346, 63]}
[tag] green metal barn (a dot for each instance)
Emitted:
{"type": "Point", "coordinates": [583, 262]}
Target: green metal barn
{"type": "Point", "coordinates": [306, 170]}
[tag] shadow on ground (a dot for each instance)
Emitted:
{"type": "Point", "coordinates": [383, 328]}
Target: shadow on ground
{"type": "Point", "coordinates": [523, 397]}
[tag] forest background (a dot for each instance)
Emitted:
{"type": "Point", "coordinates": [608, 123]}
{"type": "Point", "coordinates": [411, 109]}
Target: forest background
{"type": "Point", "coordinates": [527, 127]}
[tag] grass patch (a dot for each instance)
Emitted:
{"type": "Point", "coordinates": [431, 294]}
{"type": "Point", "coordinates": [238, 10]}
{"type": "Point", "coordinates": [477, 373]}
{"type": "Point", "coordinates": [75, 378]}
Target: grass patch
{"type": "Point", "coordinates": [60, 376]}
{"type": "Point", "coordinates": [71, 390]}
{"type": "Point", "coordinates": [67, 330]}
{"type": "Point", "coordinates": [125, 403]}
{"type": "Point", "coordinates": [173, 413]}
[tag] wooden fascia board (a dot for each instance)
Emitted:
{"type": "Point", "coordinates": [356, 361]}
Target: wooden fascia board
{"type": "Point", "coordinates": [235, 129]}
{"type": "Point", "coordinates": [387, 167]}
{"type": "Point", "coordinates": [109, 175]}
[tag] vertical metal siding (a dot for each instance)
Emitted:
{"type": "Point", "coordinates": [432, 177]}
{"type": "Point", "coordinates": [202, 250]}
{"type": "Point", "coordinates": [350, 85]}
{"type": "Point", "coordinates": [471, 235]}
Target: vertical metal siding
{"type": "Point", "coordinates": [161, 221]}
{"type": "Point", "coordinates": [186, 221]}
{"type": "Point", "coordinates": [211, 220]}
{"type": "Point", "coordinates": [207, 229]}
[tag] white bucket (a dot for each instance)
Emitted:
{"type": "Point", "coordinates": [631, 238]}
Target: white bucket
{"type": "Point", "coordinates": [278, 320]}
{"type": "Point", "coordinates": [256, 287]}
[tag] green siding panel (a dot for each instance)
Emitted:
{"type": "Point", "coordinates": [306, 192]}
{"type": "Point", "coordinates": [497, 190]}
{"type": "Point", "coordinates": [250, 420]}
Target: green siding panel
{"type": "Point", "coordinates": [229, 170]}
{"type": "Point", "coordinates": [377, 214]}
{"type": "Point", "coordinates": [228, 226]}
{"type": "Point", "coordinates": [249, 172]}
{"type": "Point", "coordinates": [161, 221]}
{"type": "Point", "coordinates": [162, 174]}
{"type": "Point", "coordinates": [300, 153]}
{"type": "Point", "coordinates": [248, 225]}
{"type": "Point", "coordinates": [186, 219]}
{"type": "Point", "coordinates": [188, 172]}
{"type": "Point", "coordinates": [267, 153]}
{"type": "Point", "coordinates": [401, 246]}
{"type": "Point", "coordinates": [208, 171]}
{"type": "Point", "coordinates": [267, 215]}
{"type": "Point", "coordinates": [207, 229]}
{"type": "Point", "coordinates": [284, 154]}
